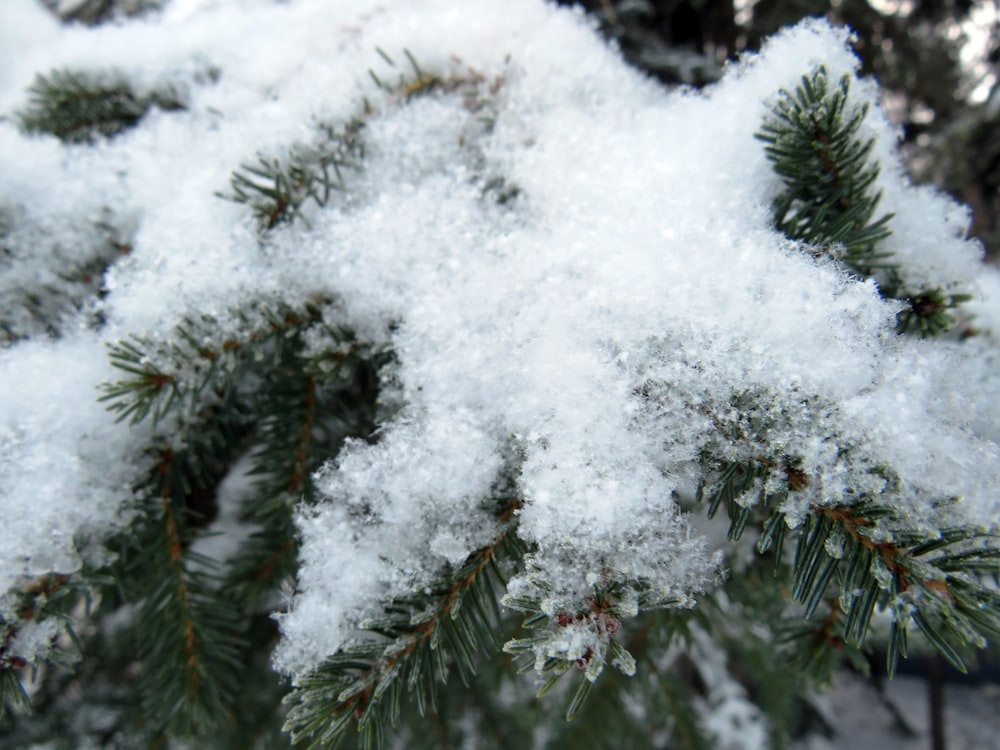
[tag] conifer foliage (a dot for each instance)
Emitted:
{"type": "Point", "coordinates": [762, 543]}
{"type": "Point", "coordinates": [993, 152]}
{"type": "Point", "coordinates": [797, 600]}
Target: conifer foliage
{"type": "Point", "coordinates": [78, 108]}
{"type": "Point", "coordinates": [815, 143]}
{"type": "Point", "coordinates": [431, 512]}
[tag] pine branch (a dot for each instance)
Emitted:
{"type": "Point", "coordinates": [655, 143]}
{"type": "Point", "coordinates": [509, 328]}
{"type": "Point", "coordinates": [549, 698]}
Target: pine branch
{"type": "Point", "coordinates": [812, 138]}
{"type": "Point", "coordinates": [413, 646]}
{"type": "Point", "coordinates": [930, 313]}
{"type": "Point", "coordinates": [107, 672]}
{"type": "Point", "coordinates": [78, 107]}
{"type": "Point", "coordinates": [408, 84]}
{"type": "Point", "coordinates": [828, 202]}
{"type": "Point", "coordinates": [478, 94]}
{"type": "Point", "coordinates": [285, 457]}
{"type": "Point", "coordinates": [181, 374]}
{"type": "Point", "coordinates": [308, 405]}
{"type": "Point", "coordinates": [583, 641]}
{"type": "Point", "coordinates": [300, 401]}
{"type": "Point", "coordinates": [95, 12]}
{"type": "Point", "coordinates": [50, 597]}
{"type": "Point", "coordinates": [851, 558]}
{"type": "Point", "coordinates": [867, 552]}
{"type": "Point", "coordinates": [13, 696]}
{"type": "Point", "coordinates": [557, 651]}
{"type": "Point", "coordinates": [189, 626]}
{"type": "Point", "coordinates": [190, 634]}
{"type": "Point", "coordinates": [671, 684]}
{"type": "Point", "coordinates": [44, 281]}
{"type": "Point", "coordinates": [277, 190]}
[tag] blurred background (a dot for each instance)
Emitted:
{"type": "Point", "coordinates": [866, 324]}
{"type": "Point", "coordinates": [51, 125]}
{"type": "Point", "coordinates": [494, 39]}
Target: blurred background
{"type": "Point", "coordinates": [937, 60]}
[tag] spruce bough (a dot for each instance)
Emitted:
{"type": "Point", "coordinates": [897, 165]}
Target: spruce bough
{"type": "Point", "coordinates": [331, 413]}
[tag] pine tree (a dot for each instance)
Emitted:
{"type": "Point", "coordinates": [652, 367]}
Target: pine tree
{"type": "Point", "coordinates": [258, 436]}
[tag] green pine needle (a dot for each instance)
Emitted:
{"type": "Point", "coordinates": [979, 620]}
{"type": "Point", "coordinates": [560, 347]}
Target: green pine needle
{"type": "Point", "coordinates": [863, 558]}
{"type": "Point", "coordinates": [814, 142]}
{"type": "Point", "coordinates": [278, 190]}
{"type": "Point", "coordinates": [812, 139]}
{"type": "Point", "coordinates": [78, 107]}
{"type": "Point", "coordinates": [361, 686]}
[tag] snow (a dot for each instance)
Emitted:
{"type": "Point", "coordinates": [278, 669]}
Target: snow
{"type": "Point", "coordinates": [593, 335]}
{"type": "Point", "coordinates": [60, 493]}
{"type": "Point", "coordinates": [729, 717]}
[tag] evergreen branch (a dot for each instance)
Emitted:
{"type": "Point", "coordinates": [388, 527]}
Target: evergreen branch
{"type": "Point", "coordinates": [867, 552]}
{"type": "Point", "coordinates": [35, 600]}
{"type": "Point", "coordinates": [670, 684]}
{"type": "Point", "coordinates": [13, 696]}
{"type": "Point", "coordinates": [821, 646]}
{"type": "Point", "coordinates": [415, 81]}
{"type": "Point", "coordinates": [162, 377]}
{"type": "Point", "coordinates": [44, 598]}
{"type": "Point", "coordinates": [107, 672]}
{"type": "Point", "coordinates": [752, 485]}
{"type": "Point", "coordinates": [930, 313]}
{"type": "Point", "coordinates": [190, 635]}
{"type": "Point", "coordinates": [45, 300]}
{"type": "Point", "coordinates": [277, 190]}
{"type": "Point", "coordinates": [78, 108]}
{"type": "Point", "coordinates": [814, 144]}
{"type": "Point", "coordinates": [285, 458]}
{"type": "Point", "coordinates": [407, 86]}
{"type": "Point", "coordinates": [583, 641]}
{"type": "Point", "coordinates": [812, 138]}
{"type": "Point", "coordinates": [363, 683]}
{"type": "Point", "coordinates": [50, 603]}
{"type": "Point", "coordinates": [193, 660]}
{"type": "Point", "coordinates": [95, 12]}
{"type": "Point", "coordinates": [308, 405]}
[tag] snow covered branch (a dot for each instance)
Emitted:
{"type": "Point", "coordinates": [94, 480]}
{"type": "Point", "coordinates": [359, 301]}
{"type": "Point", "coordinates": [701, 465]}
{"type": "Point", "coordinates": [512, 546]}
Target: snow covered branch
{"type": "Point", "coordinates": [492, 297]}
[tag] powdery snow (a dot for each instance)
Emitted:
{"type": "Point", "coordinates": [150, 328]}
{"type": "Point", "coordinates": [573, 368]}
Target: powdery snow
{"type": "Point", "coordinates": [599, 327]}
{"type": "Point", "coordinates": [60, 491]}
